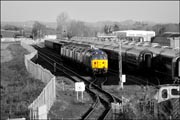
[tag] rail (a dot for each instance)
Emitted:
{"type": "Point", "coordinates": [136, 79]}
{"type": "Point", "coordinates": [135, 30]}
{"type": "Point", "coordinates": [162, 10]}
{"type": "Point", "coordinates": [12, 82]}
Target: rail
{"type": "Point", "coordinates": [102, 96]}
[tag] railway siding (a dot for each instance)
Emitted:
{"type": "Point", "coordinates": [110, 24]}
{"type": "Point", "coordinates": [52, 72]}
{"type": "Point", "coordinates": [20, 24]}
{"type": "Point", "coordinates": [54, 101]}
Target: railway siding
{"type": "Point", "coordinates": [140, 114]}
{"type": "Point", "coordinates": [71, 73]}
{"type": "Point", "coordinates": [66, 106]}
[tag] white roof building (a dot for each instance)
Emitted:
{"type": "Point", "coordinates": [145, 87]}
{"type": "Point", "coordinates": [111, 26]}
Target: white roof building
{"type": "Point", "coordinates": [50, 37]}
{"type": "Point", "coordinates": [146, 35]}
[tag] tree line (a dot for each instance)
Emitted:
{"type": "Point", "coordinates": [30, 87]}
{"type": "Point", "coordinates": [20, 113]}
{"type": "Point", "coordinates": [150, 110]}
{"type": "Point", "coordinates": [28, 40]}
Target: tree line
{"type": "Point", "coordinates": [67, 27]}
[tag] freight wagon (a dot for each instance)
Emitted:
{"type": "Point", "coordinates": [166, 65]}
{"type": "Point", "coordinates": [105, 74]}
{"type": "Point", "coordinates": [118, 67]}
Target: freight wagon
{"type": "Point", "coordinates": [91, 59]}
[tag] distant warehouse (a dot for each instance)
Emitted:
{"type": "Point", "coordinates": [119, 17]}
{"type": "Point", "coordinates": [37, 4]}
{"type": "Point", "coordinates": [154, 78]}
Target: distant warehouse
{"type": "Point", "coordinates": [171, 39]}
{"type": "Point", "coordinates": [136, 35]}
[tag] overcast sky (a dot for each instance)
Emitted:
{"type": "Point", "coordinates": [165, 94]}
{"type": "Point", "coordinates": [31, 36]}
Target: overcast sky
{"type": "Point", "coordinates": [91, 11]}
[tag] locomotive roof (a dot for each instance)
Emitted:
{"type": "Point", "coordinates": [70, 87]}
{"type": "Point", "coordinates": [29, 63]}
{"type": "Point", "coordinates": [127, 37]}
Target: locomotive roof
{"type": "Point", "coordinates": [97, 51]}
{"type": "Point", "coordinates": [155, 50]}
{"type": "Point", "coordinates": [110, 47]}
{"type": "Point", "coordinates": [137, 51]}
{"type": "Point", "coordinates": [168, 85]}
{"type": "Point", "coordinates": [171, 53]}
{"type": "Point", "coordinates": [99, 46]}
{"type": "Point", "coordinates": [55, 41]}
{"type": "Point", "coordinates": [52, 40]}
{"type": "Point", "coordinates": [80, 45]}
{"type": "Point", "coordinates": [90, 52]}
{"type": "Point", "coordinates": [170, 34]}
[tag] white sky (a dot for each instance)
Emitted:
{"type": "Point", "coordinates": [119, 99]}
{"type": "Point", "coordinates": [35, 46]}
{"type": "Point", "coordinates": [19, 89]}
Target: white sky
{"type": "Point", "coordinates": [91, 11]}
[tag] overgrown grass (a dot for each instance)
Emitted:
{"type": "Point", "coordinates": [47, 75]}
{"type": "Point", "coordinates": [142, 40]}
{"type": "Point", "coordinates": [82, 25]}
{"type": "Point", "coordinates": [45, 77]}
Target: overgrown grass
{"type": "Point", "coordinates": [18, 88]}
{"type": "Point", "coordinates": [136, 95]}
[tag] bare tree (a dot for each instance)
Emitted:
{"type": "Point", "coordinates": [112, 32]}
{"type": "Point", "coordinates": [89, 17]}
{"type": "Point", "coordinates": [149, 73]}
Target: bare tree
{"type": "Point", "coordinates": [38, 30]}
{"type": "Point", "coordinates": [78, 28]}
{"type": "Point", "coordinates": [62, 22]}
{"type": "Point", "coordinates": [108, 29]}
{"type": "Point", "coordinates": [67, 27]}
{"type": "Point", "coordinates": [115, 27]}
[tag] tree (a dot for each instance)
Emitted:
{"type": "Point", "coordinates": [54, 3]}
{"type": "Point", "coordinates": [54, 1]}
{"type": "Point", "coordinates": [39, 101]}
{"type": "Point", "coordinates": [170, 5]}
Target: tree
{"type": "Point", "coordinates": [159, 29]}
{"type": "Point", "coordinates": [12, 27]}
{"type": "Point", "coordinates": [108, 29]}
{"type": "Point", "coordinates": [115, 27]}
{"type": "Point", "coordinates": [78, 28]}
{"type": "Point", "coordinates": [62, 22]}
{"type": "Point", "coordinates": [38, 30]}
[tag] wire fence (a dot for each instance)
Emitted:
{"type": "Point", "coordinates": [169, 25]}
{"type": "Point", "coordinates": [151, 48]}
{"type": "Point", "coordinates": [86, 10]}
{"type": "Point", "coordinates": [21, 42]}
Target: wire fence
{"type": "Point", "coordinates": [48, 94]}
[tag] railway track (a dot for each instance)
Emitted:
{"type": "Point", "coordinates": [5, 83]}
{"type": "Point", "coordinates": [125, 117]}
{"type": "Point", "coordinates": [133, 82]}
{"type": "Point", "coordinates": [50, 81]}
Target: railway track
{"type": "Point", "coordinates": [132, 78]}
{"type": "Point", "coordinates": [137, 80]}
{"type": "Point", "coordinates": [101, 109]}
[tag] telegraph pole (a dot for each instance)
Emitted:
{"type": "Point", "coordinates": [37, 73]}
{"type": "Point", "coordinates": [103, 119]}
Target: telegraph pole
{"type": "Point", "coordinates": [40, 34]}
{"type": "Point", "coordinates": [120, 62]}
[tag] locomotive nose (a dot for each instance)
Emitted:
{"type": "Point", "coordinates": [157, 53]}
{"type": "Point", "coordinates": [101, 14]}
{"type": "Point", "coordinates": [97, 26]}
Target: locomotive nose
{"type": "Point", "coordinates": [99, 64]}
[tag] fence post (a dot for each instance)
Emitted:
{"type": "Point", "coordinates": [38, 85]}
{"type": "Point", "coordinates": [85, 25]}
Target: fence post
{"type": "Point", "coordinates": [54, 87]}
{"type": "Point", "coordinates": [44, 101]}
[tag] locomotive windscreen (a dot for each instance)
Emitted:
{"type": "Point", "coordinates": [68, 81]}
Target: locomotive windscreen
{"type": "Point", "coordinates": [99, 57]}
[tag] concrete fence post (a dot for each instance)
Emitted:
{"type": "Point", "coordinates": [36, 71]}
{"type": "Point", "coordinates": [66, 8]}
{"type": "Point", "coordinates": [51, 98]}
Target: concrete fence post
{"type": "Point", "coordinates": [54, 83]}
{"type": "Point", "coordinates": [44, 96]}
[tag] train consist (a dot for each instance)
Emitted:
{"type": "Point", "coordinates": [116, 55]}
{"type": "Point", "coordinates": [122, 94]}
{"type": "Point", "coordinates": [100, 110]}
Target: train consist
{"type": "Point", "coordinates": [91, 59]}
{"type": "Point", "coordinates": [148, 58]}
{"type": "Point", "coordinates": [145, 57]}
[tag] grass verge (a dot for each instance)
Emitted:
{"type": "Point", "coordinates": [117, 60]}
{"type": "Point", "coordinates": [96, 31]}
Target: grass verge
{"type": "Point", "coordinates": [18, 88]}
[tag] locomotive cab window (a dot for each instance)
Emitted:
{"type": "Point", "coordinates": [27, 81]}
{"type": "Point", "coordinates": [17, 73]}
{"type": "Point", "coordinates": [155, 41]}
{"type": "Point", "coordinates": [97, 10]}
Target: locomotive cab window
{"type": "Point", "coordinates": [164, 93]}
{"type": "Point", "coordinates": [175, 92]}
{"type": "Point", "coordinates": [147, 58]}
{"type": "Point", "coordinates": [96, 57]}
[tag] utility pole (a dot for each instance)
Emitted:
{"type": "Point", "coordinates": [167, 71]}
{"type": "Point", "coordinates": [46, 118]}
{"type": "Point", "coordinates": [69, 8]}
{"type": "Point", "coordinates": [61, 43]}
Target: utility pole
{"type": "Point", "coordinates": [40, 34]}
{"type": "Point", "coordinates": [120, 62]}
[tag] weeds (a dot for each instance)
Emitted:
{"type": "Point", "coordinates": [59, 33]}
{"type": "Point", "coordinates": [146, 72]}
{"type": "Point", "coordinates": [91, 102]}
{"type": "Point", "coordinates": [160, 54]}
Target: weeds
{"type": "Point", "coordinates": [18, 88]}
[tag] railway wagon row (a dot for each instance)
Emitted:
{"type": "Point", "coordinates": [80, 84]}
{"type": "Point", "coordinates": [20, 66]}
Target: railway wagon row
{"type": "Point", "coordinates": [143, 57]}
{"type": "Point", "coordinates": [146, 58]}
{"type": "Point", "coordinates": [90, 59]}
